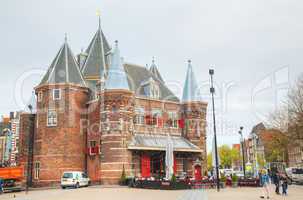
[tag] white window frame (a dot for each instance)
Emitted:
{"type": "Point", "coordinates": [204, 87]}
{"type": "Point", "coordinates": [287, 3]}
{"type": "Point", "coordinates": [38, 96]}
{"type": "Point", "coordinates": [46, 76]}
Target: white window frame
{"type": "Point", "coordinates": [54, 91]}
{"type": "Point", "coordinates": [140, 115]}
{"type": "Point", "coordinates": [37, 168]}
{"type": "Point", "coordinates": [52, 123]}
{"type": "Point", "coordinates": [157, 113]}
{"type": "Point", "coordinates": [40, 96]}
{"type": "Point", "coordinates": [173, 116]}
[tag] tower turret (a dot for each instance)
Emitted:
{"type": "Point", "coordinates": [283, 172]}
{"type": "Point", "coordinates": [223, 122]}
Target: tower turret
{"type": "Point", "coordinates": [59, 143]}
{"type": "Point", "coordinates": [117, 112]}
{"type": "Point", "coordinates": [194, 114]}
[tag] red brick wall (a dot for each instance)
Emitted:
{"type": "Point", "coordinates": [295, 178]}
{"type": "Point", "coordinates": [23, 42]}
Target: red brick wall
{"type": "Point", "coordinates": [27, 130]}
{"type": "Point", "coordinates": [93, 134]}
{"type": "Point", "coordinates": [195, 129]}
{"type": "Point", "coordinates": [60, 148]}
{"type": "Point", "coordinates": [117, 110]}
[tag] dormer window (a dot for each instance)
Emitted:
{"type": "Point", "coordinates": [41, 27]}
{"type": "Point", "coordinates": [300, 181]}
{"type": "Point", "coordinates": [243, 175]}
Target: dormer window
{"type": "Point", "coordinates": [151, 89]}
{"type": "Point", "coordinates": [56, 94]}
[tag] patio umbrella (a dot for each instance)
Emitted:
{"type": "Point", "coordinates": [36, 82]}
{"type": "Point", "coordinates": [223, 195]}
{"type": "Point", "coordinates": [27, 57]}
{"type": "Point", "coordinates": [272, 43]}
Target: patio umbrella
{"type": "Point", "coordinates": [169, 158]}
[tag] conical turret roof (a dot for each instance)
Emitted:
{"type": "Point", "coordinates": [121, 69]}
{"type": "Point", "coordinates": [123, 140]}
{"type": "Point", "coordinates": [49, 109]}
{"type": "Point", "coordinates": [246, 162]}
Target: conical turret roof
{"type": "Point", "coordinates": [154, 70]}
{"type": "Point", "coordinates": [191, 90]}
{"type": "Point", "coordinates": [95, 64]}
{"type": "Point", "coordinates": [117, 78]}
{"type": "Point", "coordinates": [64, 68]}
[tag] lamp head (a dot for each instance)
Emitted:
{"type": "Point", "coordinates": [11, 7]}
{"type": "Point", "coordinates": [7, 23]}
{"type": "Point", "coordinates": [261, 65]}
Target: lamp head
{"type": "Point", "coordinates": [211, 72]}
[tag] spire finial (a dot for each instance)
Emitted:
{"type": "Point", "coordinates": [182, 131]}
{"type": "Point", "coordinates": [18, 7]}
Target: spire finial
{"type": "Point", "coordinates": [65, 37]}
{"type": "Point", "coordinates": [116, 43]}
{"type": "Point", "coordinates": [99, 16]}
{"type": "Point", "coordinates": [153, 60]}
{"type": "Point", "coordinates": [189, 61]}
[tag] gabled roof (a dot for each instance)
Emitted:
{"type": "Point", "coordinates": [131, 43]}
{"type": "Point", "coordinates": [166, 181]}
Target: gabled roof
{"type": "Point", "coordinates": [117, 78]}
{"type": "Point", "coordinates": [64, 68]}
{"type": "Point", "coordinates": [191, 90]}
{"type": "Point", "coordinates": [154, 70]}
{"type": "Point", "coordinates": [96, 61]}
{"type": "Point", "coordinates": [138, 75]}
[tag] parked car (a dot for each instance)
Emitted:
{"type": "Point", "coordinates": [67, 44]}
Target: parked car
{"type": "Point", "coordinates": [239, 174]}
{"type": "Point", "coordinates": [295, 174]}
{"type": "Point", "coordinates": [74, 179]}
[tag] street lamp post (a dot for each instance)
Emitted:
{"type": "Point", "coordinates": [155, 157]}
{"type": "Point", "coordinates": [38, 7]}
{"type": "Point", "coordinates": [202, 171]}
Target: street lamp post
{"type": "Point", "coordinates": [243, 150]}
{"type": "Point", "coordinates": [212, 91]}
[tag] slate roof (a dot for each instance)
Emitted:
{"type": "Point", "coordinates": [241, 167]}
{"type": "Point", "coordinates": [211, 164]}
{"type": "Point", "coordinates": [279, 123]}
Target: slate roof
{"type": "Point", "coordinates": [96, 61]}
{"type": "Point", "coordinates": [191, 90]}
{"type": "Point", "coordinates": [64, 69]}
{"type": "Point", "coordinates": [139, 74]}
{"type": "Point", "coordinates": [117, 78]}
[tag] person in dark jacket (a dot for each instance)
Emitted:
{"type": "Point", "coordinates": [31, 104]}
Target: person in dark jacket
{"type": "Point", "coordinates": [1, 185]}
{"type": "Point", "coordinates": [276, 179]}
{"type": "Point", "coordinates": [284, 186]}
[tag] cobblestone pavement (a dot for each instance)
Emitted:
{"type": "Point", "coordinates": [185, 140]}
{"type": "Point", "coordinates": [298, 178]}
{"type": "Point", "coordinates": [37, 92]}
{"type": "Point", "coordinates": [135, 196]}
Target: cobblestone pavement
{"type": "Point", "coordinates": [101, 193]}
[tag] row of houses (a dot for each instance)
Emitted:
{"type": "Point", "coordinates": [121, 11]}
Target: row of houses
{"type": "Point", "coordinates": [258, 148]}
{"type": "Point", "coordinates": [9, 139]}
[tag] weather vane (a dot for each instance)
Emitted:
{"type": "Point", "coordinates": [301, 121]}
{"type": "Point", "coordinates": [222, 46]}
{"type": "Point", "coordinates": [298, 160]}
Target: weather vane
{"type": "Point", "coordinates": [98, 13]}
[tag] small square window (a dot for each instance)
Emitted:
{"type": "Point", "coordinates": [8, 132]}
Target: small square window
{"type": "Point", "coordinates": [92, 143]}
{"type": "Point", "coordinates": [56, 94]}
{"type": "Point", "coordinates": [40, 96]}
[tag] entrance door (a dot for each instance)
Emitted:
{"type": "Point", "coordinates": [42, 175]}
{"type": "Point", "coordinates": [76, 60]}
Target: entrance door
{"type": "Point", "coordinates": [145, 166]}
{"type": "Point", "coordinates": [198, 175]}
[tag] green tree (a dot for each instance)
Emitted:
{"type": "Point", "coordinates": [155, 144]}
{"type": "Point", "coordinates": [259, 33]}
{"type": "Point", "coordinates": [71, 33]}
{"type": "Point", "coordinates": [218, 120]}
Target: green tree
{"type": "Point", "coordinates": [261, 161]}
{"type": "Point", "coordinates": [235, 155]}
{"type": "Point", "coordinates": [209, 161]}
{"type": "Point", "coordinates": [225, 156]}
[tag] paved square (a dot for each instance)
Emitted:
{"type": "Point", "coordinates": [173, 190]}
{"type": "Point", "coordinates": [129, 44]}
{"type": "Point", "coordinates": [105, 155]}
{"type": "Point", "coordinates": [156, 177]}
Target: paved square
{"type": "Point", "coordinates": [99, 193]}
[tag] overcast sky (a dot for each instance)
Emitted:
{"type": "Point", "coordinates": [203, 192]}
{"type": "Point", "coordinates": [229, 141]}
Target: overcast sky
{"type": "Point", "coordinates": [255, 47]}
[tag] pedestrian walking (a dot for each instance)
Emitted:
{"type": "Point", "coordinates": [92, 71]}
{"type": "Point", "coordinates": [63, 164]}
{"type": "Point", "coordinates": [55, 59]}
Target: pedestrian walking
{"type": "Point", "coordinates": [284, 186]}
{"type": "Point", "coordinates": [276, 179]}
{"type": "Point", "coordinates": [1, 185]}
{"type": "Point", "coordinates": [265, 182]}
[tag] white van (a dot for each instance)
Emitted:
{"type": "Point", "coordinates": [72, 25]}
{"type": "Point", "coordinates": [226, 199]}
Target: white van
{"type": "Point", "coordinates": [296, 174]}
{"type": "Point", "coordinates": [74, 179]}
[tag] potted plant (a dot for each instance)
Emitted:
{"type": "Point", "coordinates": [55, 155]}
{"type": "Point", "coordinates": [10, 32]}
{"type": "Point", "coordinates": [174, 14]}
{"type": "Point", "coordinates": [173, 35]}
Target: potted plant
{"type": "Point", "coordinates": [173, 181]}
{"type": "Point", "coordinates": [223, 181]}
{"type": "Point", "coordinates": [123, 179]}
{"type": "Point", "coordinates": [235, 181]}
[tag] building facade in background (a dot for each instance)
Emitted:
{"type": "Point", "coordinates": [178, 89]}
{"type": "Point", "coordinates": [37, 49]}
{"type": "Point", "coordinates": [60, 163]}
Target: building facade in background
{"type": "Point", "coordinates": [100, 115]}
{"type": "Point", "coordinates": [295, 154]}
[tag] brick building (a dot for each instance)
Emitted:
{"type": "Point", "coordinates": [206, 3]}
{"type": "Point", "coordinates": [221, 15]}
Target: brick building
{"type": "Point", "coordinates": [295, 153]}
{"type": "Point", "coordinates": [100, 115]}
